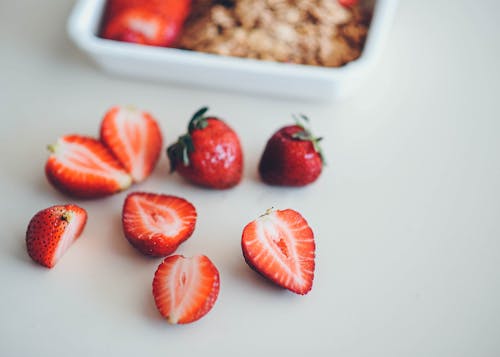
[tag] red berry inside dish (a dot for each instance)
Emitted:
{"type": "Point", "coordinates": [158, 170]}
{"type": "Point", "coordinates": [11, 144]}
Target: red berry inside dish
{"type": "Point", "coordinates": [348, 3]}
{"type": "Point", "coordinates": [147, 22]}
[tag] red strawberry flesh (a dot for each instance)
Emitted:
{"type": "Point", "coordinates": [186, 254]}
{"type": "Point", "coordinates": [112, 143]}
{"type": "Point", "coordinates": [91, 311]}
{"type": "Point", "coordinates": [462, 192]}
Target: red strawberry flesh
{"type": "Point", "coordinates": [185, 289]}
{"type": "Point", "coordinates": [52, 231]}
{"type": "Point", "coordinates": [83, 167]}
{"type": "Point", "coordinates": [156, 224]}
{"type": "Point", "coordinates": [280, 246]}
{"type": "Point", "coordinates": [135, 139]}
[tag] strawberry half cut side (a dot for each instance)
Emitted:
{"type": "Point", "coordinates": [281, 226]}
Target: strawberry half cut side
{"type": "Point", "coordinates": [155, 224]}
{"type": "Point", "coordinates": [83, 167]}
{"type": "Point", "coordinates": [280, 246]}
{"type": "Point", "coordinates": [185, 289]}
{"type": "Point", "coordinates": [134, 137]}
{"type": "Point", "coordinates": [52, 231]}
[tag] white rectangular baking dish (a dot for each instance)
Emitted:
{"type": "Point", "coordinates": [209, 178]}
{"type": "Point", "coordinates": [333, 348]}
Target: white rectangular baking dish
{"type": "Point", "coordinates": [229, 73]}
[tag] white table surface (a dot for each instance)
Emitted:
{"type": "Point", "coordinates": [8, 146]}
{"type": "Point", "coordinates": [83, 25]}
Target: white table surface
{"type": "Point", "coordinates": [406, 214]}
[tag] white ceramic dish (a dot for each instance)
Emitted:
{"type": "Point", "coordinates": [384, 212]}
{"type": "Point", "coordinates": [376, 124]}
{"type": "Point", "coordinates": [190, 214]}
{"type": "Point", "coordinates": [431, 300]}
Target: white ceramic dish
{"type": "Point", "coordinates": [230, 73]}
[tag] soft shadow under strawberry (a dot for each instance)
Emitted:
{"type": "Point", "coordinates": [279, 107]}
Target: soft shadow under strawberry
{"type": "Point", "coordinates": [119, 243]}
{"type": "Point", "coordinates": [251, 277]}
{"type": "Point", "coordinates": [148, 306]}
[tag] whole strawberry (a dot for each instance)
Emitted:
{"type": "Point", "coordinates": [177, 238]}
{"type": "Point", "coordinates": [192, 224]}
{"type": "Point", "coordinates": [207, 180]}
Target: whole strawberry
{"type": "Point", "coordinates": [348, 3]}
{"type": "Point", "coordinates": [292, 156]}
{"type": "Point", "coordinates": [209, 154]}
{"type": "Point", "coordinates": [52, 231]}
{"type": "Point", "coordinates": [146, 22]}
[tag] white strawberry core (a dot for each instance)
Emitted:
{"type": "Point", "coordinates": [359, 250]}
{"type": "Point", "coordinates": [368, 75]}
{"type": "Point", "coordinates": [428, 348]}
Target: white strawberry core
{"type": "Point", "coordinates": [166, 222]}
{"type": "Point", "coordinates": [155, 218]}
{"type": "Point", "coordinates": [69, 236]}
{"type": "Point", "coordinates": [185, 277]}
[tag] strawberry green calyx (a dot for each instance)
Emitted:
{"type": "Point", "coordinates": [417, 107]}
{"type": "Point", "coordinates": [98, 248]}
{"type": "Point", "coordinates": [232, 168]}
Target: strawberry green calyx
{"type": "Point", "coordinates": [306, 135]}
{"type": "Point", "coordinates": [179, 152]}
{"type": "Point", "coordinates": [268, 212]}
{"type": "Point", "coordinates": [52, 148]}
{"type": "Point", "coordinates": [198, 120]}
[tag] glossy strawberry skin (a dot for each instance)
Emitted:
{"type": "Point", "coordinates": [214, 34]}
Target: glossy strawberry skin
{"type": "Point", "coordinates": [49, 227]}
{"type": "Point", "coordinates": [280, 246]}
{"type": "Point", "coordinates": [140, 26]}
{"type": "Point", "coordinates": [348, 3]}
{"type": "Point", "coordinates": [288, 161]}
{"type": "Point", "coordinates": [134, 138]}
{"type": "Point", "coordinates": [217, 160]}
{"type": "Point", "coordinates": [212, 153]}
{"type": "Point", "coordinates": [171, 8]}
{"type": "Point", "coordinates": [185, 289]}
{"type": "Point", "coordinates": [149, 218]}
{"type": "Point", "coordinates": [83, 167]}
{"type": "Point", "coordinates": [148, 22]}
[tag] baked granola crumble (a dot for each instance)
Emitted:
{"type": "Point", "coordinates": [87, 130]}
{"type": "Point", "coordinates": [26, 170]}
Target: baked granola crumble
{"type": "Point", "coordinates": [312, 32]}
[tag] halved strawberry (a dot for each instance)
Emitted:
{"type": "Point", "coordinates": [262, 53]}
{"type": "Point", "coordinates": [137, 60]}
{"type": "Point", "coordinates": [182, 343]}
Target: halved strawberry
{"type": "Point", "coordinates": [185, 289]}
{"type": "Point", "coordinates": [83, 167]}
{"type": "Point", "coordinates": [280, 246]}
{"type": "Point", "coordinates": [52, 231]}
{"type": "Point", "coordinates": [134, 137]}
{"type": "Point", "coordinates": [156, 224]}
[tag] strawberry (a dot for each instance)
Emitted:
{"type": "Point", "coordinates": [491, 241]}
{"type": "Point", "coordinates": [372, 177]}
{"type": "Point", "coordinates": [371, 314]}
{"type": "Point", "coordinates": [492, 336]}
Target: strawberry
{"type": "Point", "coordinates": [292, 157]}
{"type": "Point", "coordinates": [153, 22]}
{"type": "Point", "coordinates": [114, 7]}
{"type": "Point", "coordinates": [156, 224]}
{"type": "Point", "coordinates": [348, 3]}
{"type": "Point", "coordinates": [52, 231]}
{"type": "Point", "coordinates": [209, 154]}
{"type": "Point", "coordinates": [83, 167]}
{"type": "Point", "coordinates": [280, 246]}
{"type": "Point", "coordinates": [134, 137]}
{"type": "Point", "coordinates": [185, 289]}
{"type": "Point", "coordinates": [171, 8]}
